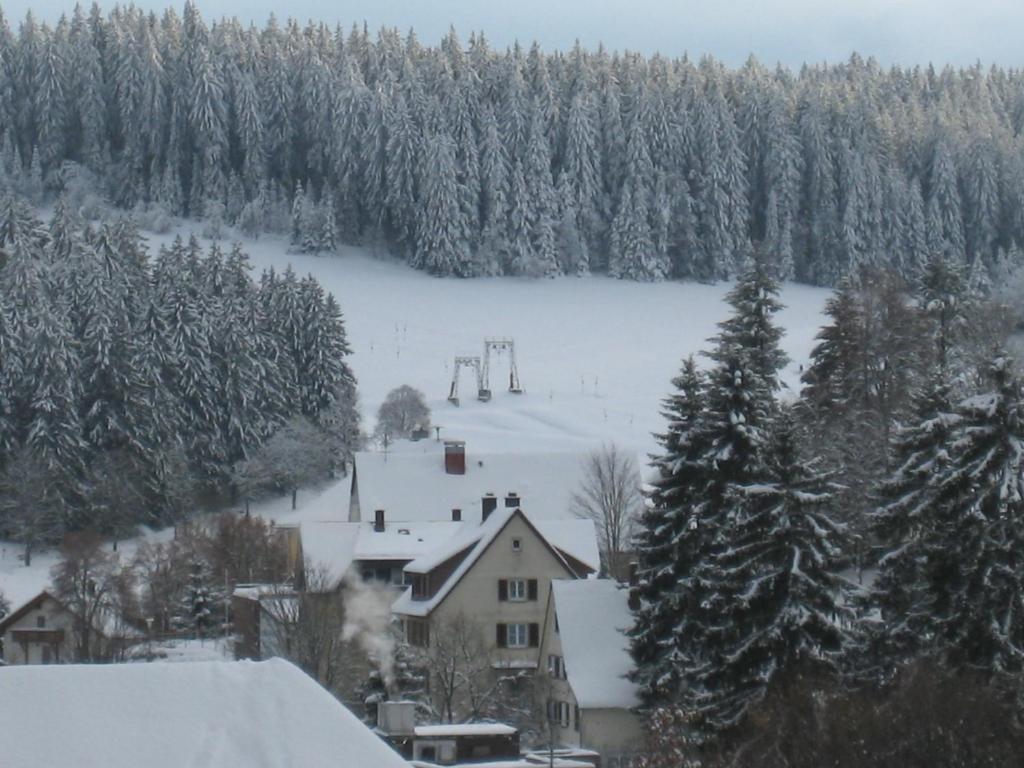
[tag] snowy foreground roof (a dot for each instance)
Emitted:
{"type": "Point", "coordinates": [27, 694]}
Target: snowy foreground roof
{"type": "Point", "coordinates": [411, 484]}
{"type": "Point", "coordinates": [255, 714]}
{"type": "Point", "coordinates": [592, 616]}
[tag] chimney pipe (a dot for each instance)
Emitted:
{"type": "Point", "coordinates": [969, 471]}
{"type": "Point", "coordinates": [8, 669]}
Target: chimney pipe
{"type": "Point", "coordinates": [488, 504]}
{"type": "Point", "coordinates": [378, 520]}
{"type": "Point", "coordinates": [455, 457]}
{"type": "Point", "coordinates": [456, 515]}
{"type": "Point", "coordinates": [512, 500]}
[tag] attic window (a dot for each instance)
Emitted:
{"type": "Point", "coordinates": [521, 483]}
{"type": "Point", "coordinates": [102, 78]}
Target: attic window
{"type": "Point", "coordinates": [517, 545]}
{"type": "Point", "coordinates": [40, 622]}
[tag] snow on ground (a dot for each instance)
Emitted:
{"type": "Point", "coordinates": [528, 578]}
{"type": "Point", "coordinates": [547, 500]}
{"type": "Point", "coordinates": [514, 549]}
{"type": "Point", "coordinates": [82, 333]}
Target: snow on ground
{"type": "Point", "coordinates": [188, 649]}
{"type": "Point", "coordinates": [595, 356]}
{"type": "Point", "coordinates": [254, 714]}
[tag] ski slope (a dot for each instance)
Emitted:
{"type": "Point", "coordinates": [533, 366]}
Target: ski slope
{"type": "Point", "coordinates": [595, 355]}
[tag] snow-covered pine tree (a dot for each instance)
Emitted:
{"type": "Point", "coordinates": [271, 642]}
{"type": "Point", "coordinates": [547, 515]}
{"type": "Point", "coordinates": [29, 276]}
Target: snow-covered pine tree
{"type": "Point", "coordinates": [975, 577]}
{"type": "Point", "coordinates": [669, 543]}
{"type": "Point", "coordinates": [631, 249]}
{"type": "Point", "coordinates": [780, 600]}
{"type": "Point", "coordinates": [943, 297]}
{"type": "Point", "coordinates": [403, 167]}
{"type": "Point", "coordinates": [905, 525]}
{"type": "Point", "coordinates": [442, 232]}
{"type": "Point", "coordinates": [542, 206]}
{"type": "Point", "coordinates": [198, 605]}
{"type": "Point", "coordinates": [755, 302]}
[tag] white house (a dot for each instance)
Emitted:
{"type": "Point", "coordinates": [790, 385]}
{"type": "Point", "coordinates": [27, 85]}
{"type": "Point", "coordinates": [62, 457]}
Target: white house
{"type": "Point", "coordinates": [43, 631]}
{"type": "Point", "coordinates": [255, 714]}
{"type": "Point", "coordinates": [492, 581]}
{"type": "Point", "coordinates": [585, 655]}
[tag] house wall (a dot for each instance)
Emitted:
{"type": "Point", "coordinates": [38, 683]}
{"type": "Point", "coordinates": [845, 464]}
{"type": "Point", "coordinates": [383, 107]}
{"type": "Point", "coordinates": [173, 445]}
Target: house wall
{"type": "Point", "coordinates": [615, 733]}
{"type": "Point", "coordinates": [56, 618]}
{"type": "Point", "coordinates": [554, 687]}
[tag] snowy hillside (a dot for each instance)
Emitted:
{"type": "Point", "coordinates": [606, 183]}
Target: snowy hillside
{"type": "Point", "coordinates": [595, 354]}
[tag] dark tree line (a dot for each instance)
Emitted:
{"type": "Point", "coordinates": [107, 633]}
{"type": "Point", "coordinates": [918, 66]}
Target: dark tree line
{"type": "Point", "coordinates": [814, 551]}
{"type": "Point", "coordinates": [130, 386]}
{"type": "Point", "coordinates": [470, 161]}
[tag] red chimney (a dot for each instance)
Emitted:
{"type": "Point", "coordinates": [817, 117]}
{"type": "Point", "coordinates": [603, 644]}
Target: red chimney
{"type": "Point", "coordinates": [455, 457]}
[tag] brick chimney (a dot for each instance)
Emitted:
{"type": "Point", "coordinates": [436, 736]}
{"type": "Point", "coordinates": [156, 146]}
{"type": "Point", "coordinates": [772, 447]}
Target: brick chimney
{"type": "Point", "coordinates": [455, 457]}
{"type": "Point", "coordinates": [378, 520]}
{"type": "Point", "coordinates": [512, 500]}
{"type": "Point", "coordinates": [488, 504]}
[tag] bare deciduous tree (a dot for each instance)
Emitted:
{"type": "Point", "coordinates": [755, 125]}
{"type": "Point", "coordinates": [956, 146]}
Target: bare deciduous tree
{"type": "Point", "coordinates": [97, 590]}
{"type": "Point", "coordinates": [459, 665]}
{"type": "Point", "coordinates": [403, 410]}
{"type": "Point", "coordinates": [307, 627]}
{"type": "Point", "coordinates": [610, 496]}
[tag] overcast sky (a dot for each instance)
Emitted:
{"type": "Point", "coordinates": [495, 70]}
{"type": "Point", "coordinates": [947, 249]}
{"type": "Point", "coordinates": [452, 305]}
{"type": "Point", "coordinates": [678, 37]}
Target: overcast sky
{"type": "Point", "coordinates": [791, 31]}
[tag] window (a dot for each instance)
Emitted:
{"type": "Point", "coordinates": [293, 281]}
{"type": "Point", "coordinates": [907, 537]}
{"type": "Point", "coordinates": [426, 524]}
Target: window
{"type": "Point", "coordinates": [417, 633]}
{"type": "Point", "coordinates": [517, 545]}
{"type": "Point", "coordinates": [556, 667]}
{"type": "Point", "coordinates": [40, 622]}
{"type": "Point", "coordinates": [563, 714]}
{"type": "Point", "coordinates": [517, 590]}
{"type": "Point", "coordinates": [517, 635]}
{"type": "Point", "coordinates": [420, 587]}
{"type": "Point", "coordinates": [47, 658]}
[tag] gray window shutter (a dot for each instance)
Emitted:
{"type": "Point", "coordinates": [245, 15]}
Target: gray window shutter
{"type": "Point", "coordinates": [502, 590]}
{"type": "Point", "coordinates": [531, 589]}
{"type": "Point", "coordinates": [534, 635]}
{"type": "Point", "coordinates": [502, 636]}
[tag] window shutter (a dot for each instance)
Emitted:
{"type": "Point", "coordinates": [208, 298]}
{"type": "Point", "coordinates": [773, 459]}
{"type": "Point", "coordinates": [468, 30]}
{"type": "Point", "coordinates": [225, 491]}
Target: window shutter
{"type": "Point", "coordinates": [502, 636]}
{"type": "Point", "coordinates": [502, 590]}
{"type": "Point", "coordinates": [531, 588]}
{"type": "Point", "coordinates": [534, 635]}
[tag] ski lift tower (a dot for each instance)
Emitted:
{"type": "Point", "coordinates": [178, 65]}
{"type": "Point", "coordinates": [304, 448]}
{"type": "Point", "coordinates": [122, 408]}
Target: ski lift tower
{"type": "Point", "coordinates": [499, 346]}
{"type": "Point", "coordinates": [464, 361]}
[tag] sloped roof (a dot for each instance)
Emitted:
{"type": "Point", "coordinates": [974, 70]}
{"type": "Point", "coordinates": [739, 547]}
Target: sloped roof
{"type": "Point", "coordinates": [105, 621]}
{"type": "Point", "coordinates": [336, 545]}
{"type": "Point", "coordinates": [256, 714]}
{"type": "Point", "coordinates": [579, 535]}
{"type": "Point", "coordinates": [411, 484]}
{"type": "Point", "coordinates": [592, 617]}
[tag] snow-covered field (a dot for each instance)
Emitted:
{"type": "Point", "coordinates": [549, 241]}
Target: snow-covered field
{"type": "Point", "coordinates": [595, 354]}
{"type": "Point", "coordinates": [595, 357]}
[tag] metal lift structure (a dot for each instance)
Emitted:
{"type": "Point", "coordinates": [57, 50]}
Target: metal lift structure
{"type": "Point", "coordinates": [464, 361]}
{"type": "Point", "coordinates": [482, 368]}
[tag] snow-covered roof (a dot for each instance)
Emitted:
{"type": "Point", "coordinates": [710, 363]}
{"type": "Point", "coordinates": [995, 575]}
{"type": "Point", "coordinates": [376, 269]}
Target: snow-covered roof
{"type": "Point", "coordinates": [592, 616]}
{"type": "Point", "coordinates": [265, 714]}
{"type": "Point", "coordinates": [578, 535]}
{"type": "Point", "coordinates": [464, 729]}
{"type": "Point", "coordinates": [411, 484]}
{"type": "Point", "coordinates": [336, 545]}
{"type": "Point", "coordinates": [106, 621]}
